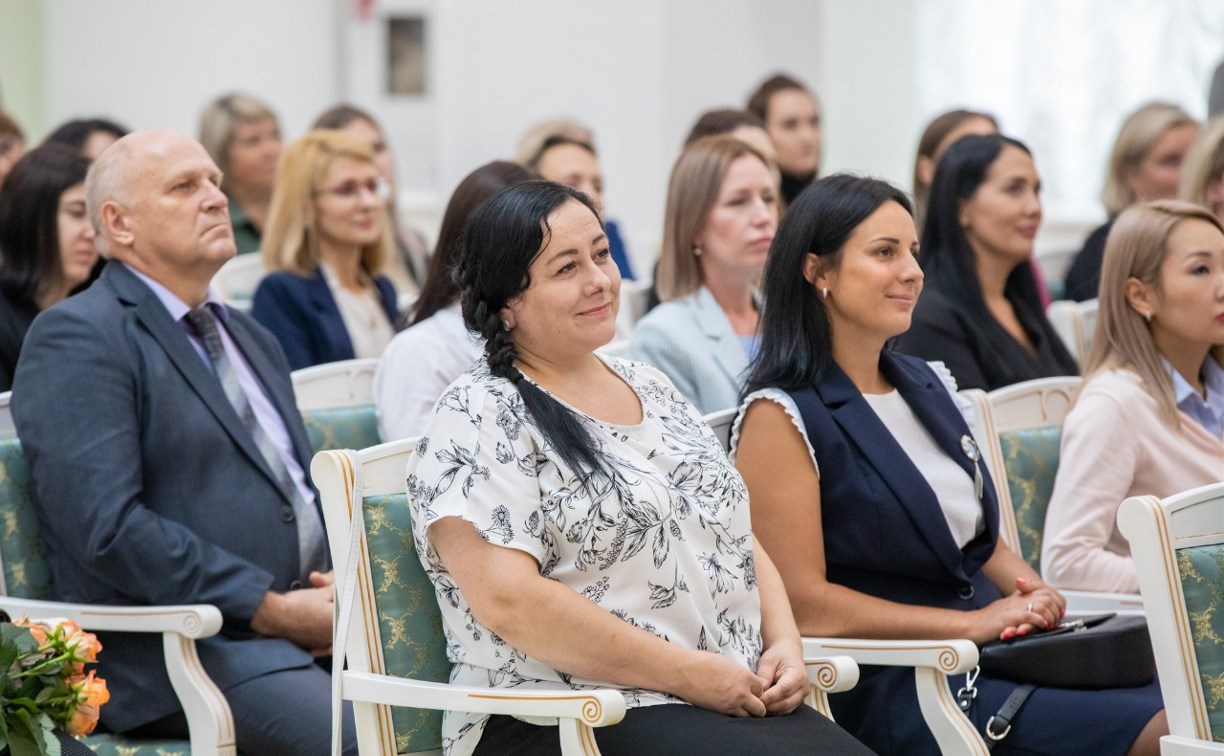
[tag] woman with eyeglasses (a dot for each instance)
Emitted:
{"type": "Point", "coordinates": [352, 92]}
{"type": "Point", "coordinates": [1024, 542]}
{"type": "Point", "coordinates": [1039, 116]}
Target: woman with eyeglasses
{"type": "Point", "coordinates": [327, 239]}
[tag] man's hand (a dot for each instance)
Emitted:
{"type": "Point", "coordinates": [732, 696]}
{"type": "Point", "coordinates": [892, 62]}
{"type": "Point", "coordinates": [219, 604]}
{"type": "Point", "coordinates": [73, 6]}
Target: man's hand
{"type": "Point", "coordinates": [303, 616]}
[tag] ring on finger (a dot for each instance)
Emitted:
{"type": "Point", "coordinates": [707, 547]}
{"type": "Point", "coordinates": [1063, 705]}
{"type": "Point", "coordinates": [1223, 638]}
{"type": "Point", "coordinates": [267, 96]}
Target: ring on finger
{"type": "Point", "coordinates": [1029, 608]}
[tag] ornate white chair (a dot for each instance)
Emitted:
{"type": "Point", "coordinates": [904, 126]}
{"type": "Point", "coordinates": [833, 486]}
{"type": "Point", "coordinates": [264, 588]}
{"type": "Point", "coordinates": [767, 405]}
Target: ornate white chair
{"type": "Point", "coordinates": [721, 422]}
{"type": "Point", "coordinates": [25, 585]}
{"type": "Point", "coordinates": [238, 278]}
{"type": "Point", "coordinates": [1178, 548]}
{"type": "Point", "coordinates": [389, 625]}
{"type": "Point", "coordinates": [1075, 324]}
{"type": "Point", "coordinates": [1021, 439]}
{"type": "Point", "coordinates": [7, 429]}
{"type": "Point", "coordinates": [337, 404]}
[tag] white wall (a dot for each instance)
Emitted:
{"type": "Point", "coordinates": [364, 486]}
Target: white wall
{"type": "Point", "coordinates": [158, 63]}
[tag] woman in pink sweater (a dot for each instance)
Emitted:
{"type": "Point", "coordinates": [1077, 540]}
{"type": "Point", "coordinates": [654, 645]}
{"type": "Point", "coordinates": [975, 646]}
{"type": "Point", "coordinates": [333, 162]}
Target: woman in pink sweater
{"type": "Point", "coordinates": [1149, 418]}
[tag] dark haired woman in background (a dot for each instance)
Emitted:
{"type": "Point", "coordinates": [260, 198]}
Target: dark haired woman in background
{"type": "Point", "coordinates": [868, 490]}
{"type": "Point", "coordinates": [981, 314]}
{"type": "Point", "coordinates": [421, 362]}
{"type": "Point", "coordinates": [791, 115]}
{"type": "Point", "coordinates": [88, 136]}
{"type": "Point", "coordinates": [583, 527]}
{"type": "Point", "coordinates": [46, 242]}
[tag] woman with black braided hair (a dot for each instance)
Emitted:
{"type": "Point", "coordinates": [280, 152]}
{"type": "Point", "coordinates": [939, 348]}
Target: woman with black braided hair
{"type": "Point", "coordinates": [581, 524]}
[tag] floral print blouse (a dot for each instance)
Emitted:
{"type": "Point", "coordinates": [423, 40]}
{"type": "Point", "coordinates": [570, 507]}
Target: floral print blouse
{"type": "Point", "coordinates": [663, 542]}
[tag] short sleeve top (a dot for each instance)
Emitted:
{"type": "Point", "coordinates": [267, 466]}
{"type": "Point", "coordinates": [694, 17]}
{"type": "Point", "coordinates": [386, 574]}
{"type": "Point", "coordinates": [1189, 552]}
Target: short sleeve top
{"type": "Point", "coordinates": [663, 542]}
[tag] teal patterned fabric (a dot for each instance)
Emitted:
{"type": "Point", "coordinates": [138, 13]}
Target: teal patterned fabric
{"type": "Point", "coordinates": [1030, 458]}
{"type": "Point", "coordinates": [26, 571]}
{"type": "Point", "coordinates": [342, 428]}
{"type": "Point", "coordinates": [1201, 570]}
{"type": "Point", "coordinates": [408, 617]}
{"type": "Point", "coordinates": [28, 575]}
{"type": "Point", "coordinates": [111, 745]}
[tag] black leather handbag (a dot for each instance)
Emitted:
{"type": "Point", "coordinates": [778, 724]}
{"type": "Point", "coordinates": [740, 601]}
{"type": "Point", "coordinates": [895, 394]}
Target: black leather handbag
{"type": "Point", "coordinates": [1101, 651]}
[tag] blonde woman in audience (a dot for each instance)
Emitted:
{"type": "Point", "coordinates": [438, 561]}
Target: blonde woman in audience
{"type": "Point", "coordinates": [328, 236]}
{"type": "Point", "coordinates": [1144, 165]}
{"type": "Point", "coordinates": [425, 358]}
{"type": "Point", "coordinates": [791, 114]}
{"type": "Point", "coordinates": [1203, 173]}
{"type": "Point", "coordinates": [722, 212]}
{"type": "Point", "coordinates": [872, 498]}
{"type": "Point", "coordinates": [243, 137]}
{"type": "Point", "coordinates": [408, 266]}
{"type": "Point", "coordinates": [1150, 417]}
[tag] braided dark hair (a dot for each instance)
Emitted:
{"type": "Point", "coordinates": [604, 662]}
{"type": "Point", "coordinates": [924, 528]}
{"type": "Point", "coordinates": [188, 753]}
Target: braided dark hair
{"type": "Point", "coordinates": [501, 239]}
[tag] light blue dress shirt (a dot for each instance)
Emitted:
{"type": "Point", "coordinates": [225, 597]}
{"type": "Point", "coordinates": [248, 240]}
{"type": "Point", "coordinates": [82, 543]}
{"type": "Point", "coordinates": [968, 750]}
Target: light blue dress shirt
{"type": "Point", "coordinates": [1207, 411]}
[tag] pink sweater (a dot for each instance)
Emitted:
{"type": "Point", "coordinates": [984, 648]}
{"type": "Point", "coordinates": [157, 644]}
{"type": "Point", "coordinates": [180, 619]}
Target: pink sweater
{"type": "Point", "coordinates": [1115, 445]}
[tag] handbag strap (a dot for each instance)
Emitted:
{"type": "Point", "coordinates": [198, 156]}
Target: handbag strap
{"type": "Point", "coordinates": [1001, 723]}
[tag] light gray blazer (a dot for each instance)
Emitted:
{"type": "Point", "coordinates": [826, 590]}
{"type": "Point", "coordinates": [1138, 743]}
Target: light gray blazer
{"type": "Point", "coordinates": [692, 342]}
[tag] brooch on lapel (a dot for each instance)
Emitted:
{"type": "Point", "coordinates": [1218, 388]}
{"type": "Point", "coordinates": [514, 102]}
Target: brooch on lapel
{"type": "Point", "coordinates": [970, 448]}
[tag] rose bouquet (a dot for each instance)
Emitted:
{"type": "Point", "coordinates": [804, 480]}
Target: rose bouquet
{"type": "Point", "coordinates": [43, 685]}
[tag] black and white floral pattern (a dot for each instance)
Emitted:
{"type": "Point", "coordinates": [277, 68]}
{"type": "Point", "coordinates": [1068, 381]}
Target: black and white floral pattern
{"type": "Point", "coordinates": [663, 542]}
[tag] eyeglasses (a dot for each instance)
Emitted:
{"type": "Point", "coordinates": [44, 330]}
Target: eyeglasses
{"type": "Point", "coordinates": [349, 190]}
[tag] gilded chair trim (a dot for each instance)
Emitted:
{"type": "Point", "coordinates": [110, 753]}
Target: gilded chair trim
{"type": "Point", "coordinates": [592, 708]}
{"type": "Point", "coordinates": [949, 659]}
{"type": "Point", "coordinates": [1181, 618]}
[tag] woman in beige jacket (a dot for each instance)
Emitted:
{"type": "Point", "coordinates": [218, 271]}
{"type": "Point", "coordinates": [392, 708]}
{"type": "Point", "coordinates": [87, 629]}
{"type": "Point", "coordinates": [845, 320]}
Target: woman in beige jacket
{"type": "Point", "coordinates": [1150, 417]}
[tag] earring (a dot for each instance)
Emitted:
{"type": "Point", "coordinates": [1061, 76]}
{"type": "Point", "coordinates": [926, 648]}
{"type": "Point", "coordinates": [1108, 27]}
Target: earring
{"type": "Point", "coordinates": [824, 293]}
{"type": "Point", "coordinates": [1147, 316]}
{"type": "Point", "coordinates": [505, 325]}
{"type": "Point", "coordinates": [696, 251]}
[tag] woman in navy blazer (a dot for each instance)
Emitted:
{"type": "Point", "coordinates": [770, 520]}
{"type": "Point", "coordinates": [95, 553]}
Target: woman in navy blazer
{"type": "Point", "coordinates": [327, 238]}
{"type": "Point", "coordinates": [869, 491]}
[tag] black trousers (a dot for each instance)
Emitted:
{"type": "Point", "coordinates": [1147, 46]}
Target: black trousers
{"type": "Point", "coordinates": [680, 730]}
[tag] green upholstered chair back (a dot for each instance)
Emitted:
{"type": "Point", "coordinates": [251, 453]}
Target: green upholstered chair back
{"type": "Point", "coordinates": [27, 574]}
{"type": "Point", "coordinates": [1201, 570]}
{"type": "Point", "coordinates": [1030, 457]}
{"type": "Point", "coordinates": [353, 427]}
{"type": "Point", "coordinates": [409, 621]}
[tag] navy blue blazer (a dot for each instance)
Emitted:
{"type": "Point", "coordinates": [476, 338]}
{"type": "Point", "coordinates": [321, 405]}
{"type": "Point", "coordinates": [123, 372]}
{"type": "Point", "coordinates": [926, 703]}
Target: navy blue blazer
{"type": "Point", "coordinates": [302, 313]}
{"type": "Point", "coordinates": [149, 489]}
{"type": "Point", "coordinates": [884, 531]}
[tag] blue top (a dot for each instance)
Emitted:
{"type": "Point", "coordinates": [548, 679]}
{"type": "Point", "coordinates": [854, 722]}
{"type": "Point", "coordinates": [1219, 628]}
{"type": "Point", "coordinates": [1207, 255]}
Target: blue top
{"type": "Point", "coordinates": [1207, 411]}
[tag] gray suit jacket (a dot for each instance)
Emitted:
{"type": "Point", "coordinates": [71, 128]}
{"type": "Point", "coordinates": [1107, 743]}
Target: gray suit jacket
{"type": "Point", "coordinates": [692, 342]}
{"type": "Point", "coordinates": [149, 488]}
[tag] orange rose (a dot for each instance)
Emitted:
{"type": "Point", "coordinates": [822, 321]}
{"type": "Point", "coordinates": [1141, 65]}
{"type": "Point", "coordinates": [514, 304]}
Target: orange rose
{"type": "Point", "coordinates": [91, 694]}
{"type": "Point", "coordinates": [37, 630]}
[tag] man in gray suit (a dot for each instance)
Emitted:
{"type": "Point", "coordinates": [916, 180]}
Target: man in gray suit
{"type": "Point", "coordinates": [168, 458]}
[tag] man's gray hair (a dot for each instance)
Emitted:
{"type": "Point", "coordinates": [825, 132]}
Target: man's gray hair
{"type": "Point", "coordinates": [106, 181]}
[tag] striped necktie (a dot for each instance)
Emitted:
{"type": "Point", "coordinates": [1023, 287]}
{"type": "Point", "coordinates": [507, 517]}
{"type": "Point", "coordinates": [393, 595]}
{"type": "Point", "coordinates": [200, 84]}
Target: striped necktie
{"type": "Point", "coordinates": [312, 549]}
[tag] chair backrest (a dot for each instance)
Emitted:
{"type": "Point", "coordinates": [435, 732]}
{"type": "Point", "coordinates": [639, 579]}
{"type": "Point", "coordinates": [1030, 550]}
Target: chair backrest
{"type": "Point", "coordinates": [337, 404]}
{"type": "Point", "coordinates": [1178, 548]}
{"type": "Point", "coordinates": [7, 428]}
{"type": "Point", "coordinates": [976, 406]}
{"type": "Point", "coordinates": [618, 348]}
{"type": "Point", "coordinates": [633, 298]}
{"type": "Point", "coordinates": [396, 628]}
{"type": "Point", "coordinates": [237, 279]}
{"type": "Point", "coordinates": [1027, 422]}
{"type": "Point", "coordinates": [1075, 323]}
{"type": "Point", "coordinates": [721, 422]}
{"type": "Point", "coordinates": [26, 572]}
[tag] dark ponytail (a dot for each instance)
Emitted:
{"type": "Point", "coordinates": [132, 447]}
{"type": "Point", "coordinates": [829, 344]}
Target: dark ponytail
{"type": "Point", "coordinates": [502, 237]}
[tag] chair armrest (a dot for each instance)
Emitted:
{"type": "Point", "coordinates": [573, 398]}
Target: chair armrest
{"type": "Point", "coordinates": [831, 674]}
{"type": "Point", "coordinates": [1092, 602]}
{"type": "Point", "coordinates": [596, 708]}
{"type": "Point", "coordinates": [947, 656]}
{"type": "Point", "coordinates": [1179, 745]}
{"type": "Point", "coordinates": [188, 620]}
{"type": "Point", "coordinates": [209, 720]}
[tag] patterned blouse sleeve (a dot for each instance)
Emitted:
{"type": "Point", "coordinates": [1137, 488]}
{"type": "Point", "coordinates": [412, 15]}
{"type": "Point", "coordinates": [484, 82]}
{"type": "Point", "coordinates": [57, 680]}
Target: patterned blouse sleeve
{"type": "Point", "coordinates": [478, 461]}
